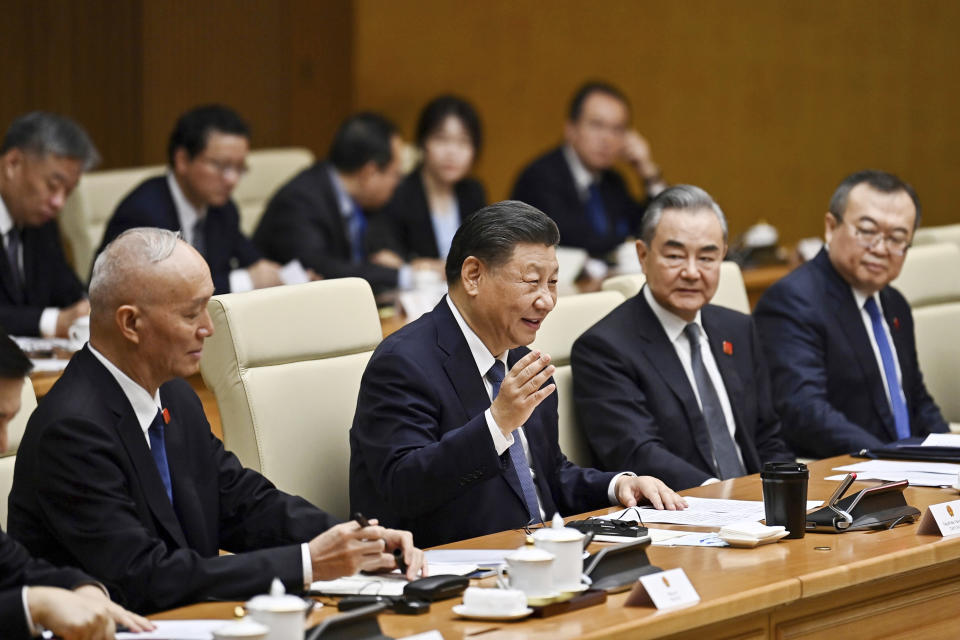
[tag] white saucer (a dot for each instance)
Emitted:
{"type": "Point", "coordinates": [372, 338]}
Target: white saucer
{"type": "Point", "coordinates": [461, 610]}
{"type": "Point", "coordinates": [580, 589]}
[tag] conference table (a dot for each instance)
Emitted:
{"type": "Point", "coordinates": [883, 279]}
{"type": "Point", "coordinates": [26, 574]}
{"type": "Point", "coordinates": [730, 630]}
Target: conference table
{"type": "Point", "coordinates": [869, 584]}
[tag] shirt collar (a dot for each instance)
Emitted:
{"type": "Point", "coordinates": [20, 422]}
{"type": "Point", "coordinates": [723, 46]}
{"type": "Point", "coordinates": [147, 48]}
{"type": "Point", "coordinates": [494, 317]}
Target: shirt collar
{"type": "Point", "coordinates": [144, 406]}
{"type": "Point", "coordinates": [481, 355]}
{"type": "Point", "coordinates": [861, 298]}
{"type": "Point", "coordinates": [186, 212]}
{"type": "Point", "coordinates": [582, 177]}
{"type": "Point", "coordinates": [672, 324]}
{"type": "Point", "coordinates": [344, 200]}
{"type": "Point", "coordinates": [6, 222]}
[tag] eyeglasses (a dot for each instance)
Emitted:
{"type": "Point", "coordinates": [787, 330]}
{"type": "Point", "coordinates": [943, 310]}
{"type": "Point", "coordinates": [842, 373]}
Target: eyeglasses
{"type": "Point", "coordinates": [868, 238]}
{"type": "Point", "coordinates": [226, 168]}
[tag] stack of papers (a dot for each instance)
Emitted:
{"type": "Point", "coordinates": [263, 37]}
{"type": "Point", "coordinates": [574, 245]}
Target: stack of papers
{"type": "Point", "coordinates": [942, 440]}
{"type": "Point", "coordinates": [917, 473]}
{"type": "Point", "coordinates": [701, 512]}
{"type": "Point", "coordinates": [177, 630]}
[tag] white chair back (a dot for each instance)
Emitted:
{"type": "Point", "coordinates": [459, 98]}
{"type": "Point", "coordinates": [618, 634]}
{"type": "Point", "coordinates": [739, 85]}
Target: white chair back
{"type": "Point", "coordinates": [88, 209]}
{"type": "Point", "coordinates": [930, 275]}
{"type": "Point", "coordinates": [15, 428]}
{"type": "Point", "coordinates": [949, 233]}
{"type": "Point", "coordinates": [571, 317]}
{"type": "Point", "coordinates": [269, 169]}
{"type": "Point", "coordinates": [731, 291]}
{"type": "Point", "coordinates": [937, 329]}
{"type": "Point", "coordinates": [285, 366]}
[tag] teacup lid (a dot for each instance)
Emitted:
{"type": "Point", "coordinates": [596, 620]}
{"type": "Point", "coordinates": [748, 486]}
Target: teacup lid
{"type": "Point", "coordinates": [530, 554]}
{"type": "Point", "coordinates": [557, 532]}
{"type": "Point", "coordinates": [241, 629]}
{"type": "Point", "coordinates": [277, 601]}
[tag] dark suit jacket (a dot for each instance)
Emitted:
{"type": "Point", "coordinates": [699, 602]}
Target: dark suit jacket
{"type": "Point", "coordinates": [404, 225]}
{"type": "Point", "coordinates": [151, 205]}
{"type": "Point", "coordinates": [87, 492]}
{"type": "Point", "coordinates": [18, 569]}
{"type": "Point", "coordinates": [303, 221]}
{"type": "Point", "coordinates": [421, 455]}
{"type": "Point", "coordinates": [638, 410]}
{"type": "Point", "coordinates": [547, 183]}
{"type": "Point", "coordinates": [826, 382]}
{"type": "Point", "coordinates": [48, 281]}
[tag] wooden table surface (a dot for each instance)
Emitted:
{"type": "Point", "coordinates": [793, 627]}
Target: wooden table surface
{"type": "Point", "coordinates": [892, 583]}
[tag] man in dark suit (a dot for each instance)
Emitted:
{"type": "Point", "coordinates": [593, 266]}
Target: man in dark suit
{"type": "Point", "coordinates": [119, 474]}
{"type": "Point", "coordinates": [667, 382]}
{"type": "Point", "coordinates": [207, 154]}
{"type": "Point", "coordinates": [839, 339]}
{"type": "Point", "coordinates": [455, 433]}
{"type": "Point", "coordinates": [320, 217]}
{"type": "Point", "coordinates": [41, 159]}
{"type": "Point", "coordinates": [576, 184]}
{"type": "Point", "coordinates": [35, 595]}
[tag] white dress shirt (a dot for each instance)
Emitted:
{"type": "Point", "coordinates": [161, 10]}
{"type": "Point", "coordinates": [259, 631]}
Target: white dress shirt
{"type": "Point", "coordinates": [49, 316]}
{"type": "Point", "coordinates": [673, 325]}
{"type": "Point", "coordinates": [484, 360]}
{"type": "Point", "coordinates": [145, 407]}
{"type": "Point", "coordinates": [861, 299]}
{"type": "Point", "coordinates": [188, 215]}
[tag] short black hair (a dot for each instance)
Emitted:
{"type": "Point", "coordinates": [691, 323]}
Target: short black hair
{"type": "Point", "coordinates": [194, 127]}
{"type": "Point", "coordinates": [881, 181]}
{"type": "Point", "coordinates": [40, 133]}
{"type": "Point", "coordinates": [362, 138]}
{"type": "Point", "coordinates": [14, 363]}
{"type": "Point", "coordinates": [439, 109]}
{"type": "Point", "coordinates": [491, 234]}
{"type": "Point", "coordinates": [588, 89]}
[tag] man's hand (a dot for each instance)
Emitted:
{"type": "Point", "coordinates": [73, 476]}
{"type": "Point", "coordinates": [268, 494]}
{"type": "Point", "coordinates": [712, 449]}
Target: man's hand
{"type": "Point", "coordinates": [387, 258]}
{"type": "Point", "coordinates": [68, 315]}
{"type": "Point", "coordinates": [120, 616]}
{"type": "Point", "coordinates": [632, 489]}
{"type": "Point", "coordinates": [346, 548]}
{"type": "Point", "coordinates": [265, 273]}
{"type": "Point", "coordinates": [74, 616]}
{"type": "Point", "coordinates": [412, 556]}
{"type": "Point", "coordinates": [520, 392]}
{"type": "Point", "coordinates": [636, 151]}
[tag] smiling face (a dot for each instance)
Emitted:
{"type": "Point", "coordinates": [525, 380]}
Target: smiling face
{"type": "Point", "coordinates": [510, 301]}
{"type": "Point", "coordinates": [682, 265]}
{"type": "Point", "coordinates": [35, 187]}
{"type": "Point", "coordinates": [868, 266]}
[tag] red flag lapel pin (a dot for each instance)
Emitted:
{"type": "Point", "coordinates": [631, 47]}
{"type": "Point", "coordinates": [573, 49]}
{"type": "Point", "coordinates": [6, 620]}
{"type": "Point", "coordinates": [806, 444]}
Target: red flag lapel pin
{"type": "Point", "coordinates": [896, 323]}
{"type": "Point", "coordinates": [728, 347]}
{"type": "Point", "coordinates": [166, 416]}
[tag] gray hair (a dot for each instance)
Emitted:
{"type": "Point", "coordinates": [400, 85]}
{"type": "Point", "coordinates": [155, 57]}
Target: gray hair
{"type": "Point", "coordinates": [43, 133]}
{"type": "Point", "coordinates": [127, 254]}
{"type": "Point", "coordinates": [682, 197]}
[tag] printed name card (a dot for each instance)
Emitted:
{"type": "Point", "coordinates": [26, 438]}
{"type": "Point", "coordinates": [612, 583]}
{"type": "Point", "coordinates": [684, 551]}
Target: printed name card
{"type": "Point", "coordinates": [941, 519]}
{"type": "Point", "coordinates": [665, 590]}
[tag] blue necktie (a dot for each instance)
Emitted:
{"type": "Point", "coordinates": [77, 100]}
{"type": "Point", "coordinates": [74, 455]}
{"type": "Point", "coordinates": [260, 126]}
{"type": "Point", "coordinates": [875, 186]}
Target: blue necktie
{"type": "Point", "coordinates": [596, 212]}
{"type": "Point", "coordinates": [900, 417]}
{"type": "Point", "coordinates": [358, 233]}
{"type": "Point", "coordinates": [158, 449]}
{"type": "Point", "coordinates": [517, 456]}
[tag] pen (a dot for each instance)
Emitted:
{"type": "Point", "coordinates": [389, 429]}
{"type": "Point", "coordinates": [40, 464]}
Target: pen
{"type": "Point", "coordinates": [401, 564]}
{"type": "Point", "coordinates": [360, 520]}
{"type": "Point", "coordinates": [842, 489]}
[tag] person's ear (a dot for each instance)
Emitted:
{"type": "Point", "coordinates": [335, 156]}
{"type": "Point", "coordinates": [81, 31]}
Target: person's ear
{"type": "Point", "coordinates": [471, 273]}
{"type": "Point", "coordinates": [642, 252]}
{"type": "Point", "coordinates": [181, 161]}
{"type": "Point", "coordinates": [830, 224]}
{"type": "Point", "coordinates": [129, 322]}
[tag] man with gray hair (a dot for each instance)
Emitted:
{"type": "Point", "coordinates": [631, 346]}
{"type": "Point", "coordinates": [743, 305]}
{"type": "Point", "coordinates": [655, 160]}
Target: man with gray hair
{"type": "Point", "coordinates": [119, 474]}
{"type": "Point", "coordinates": [667, 382]}
{"type": "Point", "coordinates": [41, 158]}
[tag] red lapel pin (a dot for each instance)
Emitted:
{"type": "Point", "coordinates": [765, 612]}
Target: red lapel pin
{"type": "Point", "coordinates": [896, 323]}
{"type": "Point", "coordinates": [728, 348]}
{"type": "Point", "coordinates": [166, 416]}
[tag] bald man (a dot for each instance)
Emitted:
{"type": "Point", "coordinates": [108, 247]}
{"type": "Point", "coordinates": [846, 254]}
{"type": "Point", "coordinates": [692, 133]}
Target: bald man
{"type": "Point", "coordinates": [119, 474]}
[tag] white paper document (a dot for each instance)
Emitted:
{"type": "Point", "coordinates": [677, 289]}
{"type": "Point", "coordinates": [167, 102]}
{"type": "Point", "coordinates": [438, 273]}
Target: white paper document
{"type": "Point", "coordinates": [177, 630]}
{"type": "Point", "coordinates": [942, 440]}
{"type": "Point", "coordinates": [294, 273]}
{"type": "Point", "coordinates": [702, 512]}
{"type": "Point", "coordinates": [479, 557]}
{"type": "Point", "coordinates": [388, 584]}
{"type": "Point", "coordinates": [918, 473]}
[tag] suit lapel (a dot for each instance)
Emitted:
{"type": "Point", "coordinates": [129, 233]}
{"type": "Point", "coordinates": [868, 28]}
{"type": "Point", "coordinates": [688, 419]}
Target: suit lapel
{"type": "Point", "coordinates": [663, 358]}
{"type": "Point", "coordinates": [14, 293]}
{"type": "Point", "coordinates": [329, 193]}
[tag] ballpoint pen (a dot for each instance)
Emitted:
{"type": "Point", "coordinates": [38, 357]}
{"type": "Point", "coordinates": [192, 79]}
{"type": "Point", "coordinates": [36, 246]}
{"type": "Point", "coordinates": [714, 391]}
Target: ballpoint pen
{"type": "Point", "coordinates": [842, 489]}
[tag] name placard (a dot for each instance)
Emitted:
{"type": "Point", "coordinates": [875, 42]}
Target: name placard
{"type": "Point", "coordinates": [665, 590]}
{"type": "Point", "coordinates": [942, 519]}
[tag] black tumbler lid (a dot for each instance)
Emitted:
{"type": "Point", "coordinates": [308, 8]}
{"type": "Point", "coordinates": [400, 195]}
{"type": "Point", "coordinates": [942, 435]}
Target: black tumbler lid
{"type": "Point", "coordinates": [784, 470]}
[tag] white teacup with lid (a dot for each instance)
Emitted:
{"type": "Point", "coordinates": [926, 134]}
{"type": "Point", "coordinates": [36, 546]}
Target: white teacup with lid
{"type": "Point", "coordinates": [566, 544]}
{"type": "Point", "coordinates": [282, 613]}
{"type": "Point", "coordinates": [531, 571]}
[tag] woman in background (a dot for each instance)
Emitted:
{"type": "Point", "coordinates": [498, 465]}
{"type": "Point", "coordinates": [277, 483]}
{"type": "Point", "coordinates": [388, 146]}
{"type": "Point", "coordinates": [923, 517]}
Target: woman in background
{"type": "Point", "coordinates": [429, 204]}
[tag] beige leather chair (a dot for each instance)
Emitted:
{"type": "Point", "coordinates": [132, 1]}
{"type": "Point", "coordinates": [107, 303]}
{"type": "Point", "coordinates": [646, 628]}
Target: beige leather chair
{"type": "Point", "coordinates": [930, 275]}
{"type": "Point", "coordinates": [932, 235]}
{"type": "Point", "coordinates": [28, 402]}
{"type": "Point", "coordinates": [572, 316]}
{"type": "Point", "coordinates": [285, 366]}
{"type": "Point", "coordinates": [937, 328]}
{"type": "Point", "coordinates": [731, 292]}
{"type": "Point", "coordinates": [88, 209]}
{"type": "Point", "coordinates": [269, 169]}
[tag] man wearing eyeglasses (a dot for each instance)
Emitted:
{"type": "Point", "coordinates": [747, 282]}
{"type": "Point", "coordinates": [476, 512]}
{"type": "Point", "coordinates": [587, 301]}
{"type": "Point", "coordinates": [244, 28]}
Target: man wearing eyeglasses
{"type": "Point", "coordinates": [839, 339]}
{"type": "Point", "coordinates": [207, 155]}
